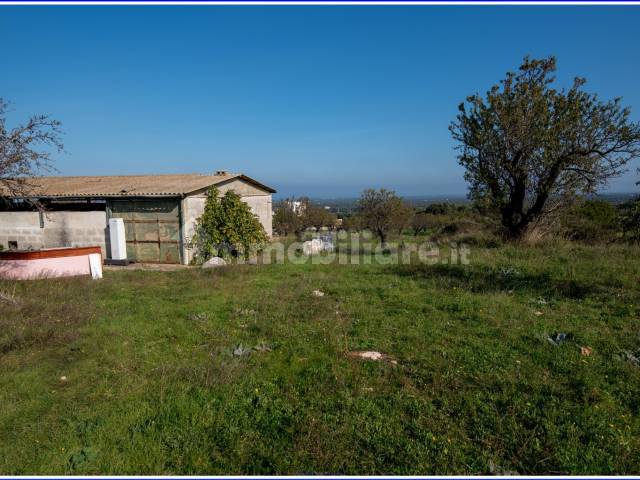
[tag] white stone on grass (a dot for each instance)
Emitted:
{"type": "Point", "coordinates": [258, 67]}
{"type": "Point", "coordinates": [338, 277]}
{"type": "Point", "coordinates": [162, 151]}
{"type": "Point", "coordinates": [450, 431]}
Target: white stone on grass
{"type": "Point", "coordinates": [214, 262]}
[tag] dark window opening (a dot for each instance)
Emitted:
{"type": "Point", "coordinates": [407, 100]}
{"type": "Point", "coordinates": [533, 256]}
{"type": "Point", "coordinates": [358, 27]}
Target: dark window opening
{"type": "Point", "coordinates": [53, 205]}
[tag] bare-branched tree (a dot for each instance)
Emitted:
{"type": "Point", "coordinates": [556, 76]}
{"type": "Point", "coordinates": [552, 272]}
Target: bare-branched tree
{"type": "Point", "coordinates": [25, 152]}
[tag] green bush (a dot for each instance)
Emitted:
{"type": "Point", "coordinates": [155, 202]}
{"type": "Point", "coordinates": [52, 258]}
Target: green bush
{"type": "Point", "coordinates": [592, 221]}
{"type": "Point", "coordinates": [227, 228]}
{"type": "Point", "coordinates": [630, 219]}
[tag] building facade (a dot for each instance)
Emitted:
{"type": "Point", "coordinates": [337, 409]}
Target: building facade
{"type": "Point", "coordinates": [159, 212]}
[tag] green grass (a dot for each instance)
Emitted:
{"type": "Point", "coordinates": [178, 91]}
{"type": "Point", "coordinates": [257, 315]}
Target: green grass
{"type": "Point", "coordinates": [152, 386]}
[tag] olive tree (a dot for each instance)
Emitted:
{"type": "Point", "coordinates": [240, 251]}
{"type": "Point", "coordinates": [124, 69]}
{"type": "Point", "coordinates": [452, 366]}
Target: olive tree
{"type": "Point", "coordinates": [529, 149]}
{"type": "Point", "coordinates": [382, 211]}
{"type": "Point", "coordinates": [25, 152]}
{"type": "Point", "coordinates": [286, 220]}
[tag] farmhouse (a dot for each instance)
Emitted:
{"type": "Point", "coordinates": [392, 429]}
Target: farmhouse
{"type": "Point", "coordinates": [159, 212]}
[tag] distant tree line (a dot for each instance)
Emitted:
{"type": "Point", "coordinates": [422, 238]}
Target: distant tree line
{"type": "Point", "coordinates": [295, 216]}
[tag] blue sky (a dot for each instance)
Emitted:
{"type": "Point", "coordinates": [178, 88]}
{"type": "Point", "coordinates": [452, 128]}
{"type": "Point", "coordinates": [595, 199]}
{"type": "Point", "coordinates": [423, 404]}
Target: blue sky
{"type": "Point", "coordinates": [323, 101]}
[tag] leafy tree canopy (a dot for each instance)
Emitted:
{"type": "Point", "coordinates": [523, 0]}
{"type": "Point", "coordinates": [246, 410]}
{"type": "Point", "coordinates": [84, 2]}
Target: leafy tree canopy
{"type": "Point", "coordinates": [289, 219]}
{"type": "Point", "coordinates": [381, 211]}
{"type": "Point", "coordinates": [286, 219]}
{"type": "Point", "coordinates": [529, 148]}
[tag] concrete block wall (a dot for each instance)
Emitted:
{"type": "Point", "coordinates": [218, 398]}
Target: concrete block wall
{"type": "Point", "coordinates": [61, 229]}
{"type": "Point", "coordinates": [21, 227]}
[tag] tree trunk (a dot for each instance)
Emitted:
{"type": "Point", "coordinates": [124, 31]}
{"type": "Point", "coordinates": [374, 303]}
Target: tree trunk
{"type": "Point", "coordinates": [383, 238]}
{"type": "Point", "coordinates": [517, 232]}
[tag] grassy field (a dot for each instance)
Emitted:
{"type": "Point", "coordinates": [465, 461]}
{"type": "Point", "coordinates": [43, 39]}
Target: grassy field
{"type": "Point", "coordinates": [136, 373]}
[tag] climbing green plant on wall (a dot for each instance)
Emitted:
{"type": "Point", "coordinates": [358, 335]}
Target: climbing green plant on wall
{"type": "Point", "coordinates": [227, 228]}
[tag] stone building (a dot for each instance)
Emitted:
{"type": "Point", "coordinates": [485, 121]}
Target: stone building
{"type": "Point", "coordinates": [159, 212]}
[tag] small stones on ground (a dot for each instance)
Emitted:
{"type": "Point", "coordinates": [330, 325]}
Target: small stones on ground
{"type": "Point", "coordinates": [509, 272]}
{"type": "Point", "coordinates": [540, 301]}
{"type": "Point", "coordinates": [318, 293]}
{"type": "Point", "coordinates": [262, 347]}
{"type": "Point", "coordinates": [9, 297]}
{"type": "Point", "coordinates": [634, 358]}
{"type": "Point", "coordinates": [214, 262]}
{"type": "Point", "coordinates": [372, 355]}
{"type": "Point", "coordinates": [199, 317]}
{"type": "Point", "coordinates": [241, 351]}
{"type": "Point", "coordinates": [245, 311]}
{"type": "Point", "coordinates": [586, 351]}
{"type": "Point", "coordinates": [558, 338]}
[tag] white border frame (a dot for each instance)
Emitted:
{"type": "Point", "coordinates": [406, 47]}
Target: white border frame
{"type": "Point", "coordinates": [328, 3]}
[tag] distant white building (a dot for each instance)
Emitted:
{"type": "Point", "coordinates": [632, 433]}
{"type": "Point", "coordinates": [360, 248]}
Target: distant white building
{"type": "Point", "coordinates": [297, 206]}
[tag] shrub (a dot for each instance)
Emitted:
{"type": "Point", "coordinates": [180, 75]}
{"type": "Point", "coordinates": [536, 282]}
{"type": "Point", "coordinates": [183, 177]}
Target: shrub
{"type": "Point", "coordinates": [286, 220]}
{"type": "Point", "coordinates": [592, 221]}
{"type": "Point", "coordinates": [353, 223]}
{"type": "Point", "coordinates": [420, 223]}
{"type": "Point", "coordinates": [227, 228]}
{"type": "Point", "coordinates": [630, 219]}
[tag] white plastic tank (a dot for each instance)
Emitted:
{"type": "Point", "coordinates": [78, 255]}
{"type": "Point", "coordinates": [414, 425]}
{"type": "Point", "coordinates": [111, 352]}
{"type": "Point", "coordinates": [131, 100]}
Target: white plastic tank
{"type": "Point", "coordinates": [117, 239]}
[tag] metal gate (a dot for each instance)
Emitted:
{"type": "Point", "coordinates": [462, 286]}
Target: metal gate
{"type": "Point", "coordinates": [152, 229]}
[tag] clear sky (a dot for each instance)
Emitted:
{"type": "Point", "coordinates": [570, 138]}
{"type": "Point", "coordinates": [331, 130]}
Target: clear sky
{"type": "Point", "coordinates": [312, 100]}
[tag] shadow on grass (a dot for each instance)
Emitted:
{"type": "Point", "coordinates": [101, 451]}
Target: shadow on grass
{"type": "Point", "coordinates": [487, 279]}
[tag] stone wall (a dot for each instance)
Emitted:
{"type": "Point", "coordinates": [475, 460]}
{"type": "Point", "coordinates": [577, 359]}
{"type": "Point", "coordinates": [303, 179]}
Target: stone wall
{"type": "Point", "coordinates": [60, 229]}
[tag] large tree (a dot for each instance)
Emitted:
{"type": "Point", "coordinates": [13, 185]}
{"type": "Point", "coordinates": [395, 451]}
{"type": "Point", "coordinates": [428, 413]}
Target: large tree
{"type": "Point", "coordinates": [25, 152]}
{"type": "Point", "coordinates": [529, 149]}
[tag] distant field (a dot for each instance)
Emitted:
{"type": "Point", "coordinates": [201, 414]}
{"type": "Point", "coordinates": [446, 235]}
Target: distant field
{"type": "Point", "coordinates": [136, 373]}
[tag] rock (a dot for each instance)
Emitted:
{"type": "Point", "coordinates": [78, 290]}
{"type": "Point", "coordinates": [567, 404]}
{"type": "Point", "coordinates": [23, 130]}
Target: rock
{"type": "Point", "coordinates": [312, 247]}
{"type": "Point", "coordinates": [214, 262]}
{"type": "Point", "coordinates": [262, 347]}
{"type": "Point", "coordinates": [370, 355]}
{"type": "Point", "coordinates": [241, 351]}
{"type": "Point", "coordinates": [318, 293]}
{"type": "Point", "coordinates": [373, 355]}
{"type": "Point", "coordinates": [559, 338]}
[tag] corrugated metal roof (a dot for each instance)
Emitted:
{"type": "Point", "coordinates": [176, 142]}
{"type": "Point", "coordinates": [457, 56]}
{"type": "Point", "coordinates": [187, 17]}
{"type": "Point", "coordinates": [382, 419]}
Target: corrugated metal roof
{"type": "Point", "coordinates": [132, 185]}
